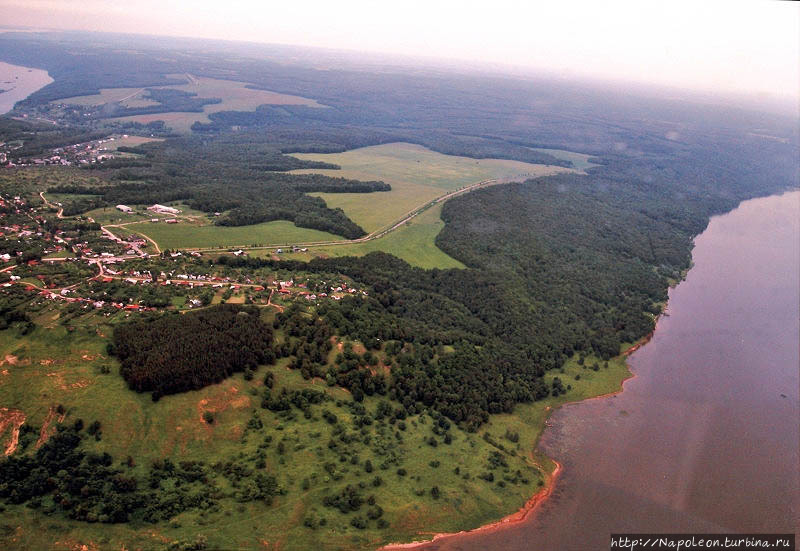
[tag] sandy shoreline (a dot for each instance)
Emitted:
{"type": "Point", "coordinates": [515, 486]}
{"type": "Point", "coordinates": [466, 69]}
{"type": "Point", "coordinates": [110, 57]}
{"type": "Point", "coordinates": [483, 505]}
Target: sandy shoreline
{"type": "Point", "coordinates": [514, 518]}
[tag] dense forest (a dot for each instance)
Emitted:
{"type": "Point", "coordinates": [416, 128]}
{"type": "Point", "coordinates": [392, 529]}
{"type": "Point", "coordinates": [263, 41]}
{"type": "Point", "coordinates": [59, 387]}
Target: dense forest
{"type": "Point", "coordinates": [177, 353]}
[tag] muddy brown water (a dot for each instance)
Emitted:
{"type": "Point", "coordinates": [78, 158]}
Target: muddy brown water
{"type": "Point", "coordinates": [704, 438]}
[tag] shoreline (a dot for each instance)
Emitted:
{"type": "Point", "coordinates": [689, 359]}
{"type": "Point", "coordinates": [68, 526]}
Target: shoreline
{"type": "Point", "coordinates": [24, 80]}
{"type": "Point", "coordinates": [514, 518]}
{"type": "Point", "coordinates": [541, 496]}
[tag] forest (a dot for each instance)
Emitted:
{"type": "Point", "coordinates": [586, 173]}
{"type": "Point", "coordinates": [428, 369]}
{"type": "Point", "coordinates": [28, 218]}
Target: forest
{"type": "Point", "coordinates": [176, 353]}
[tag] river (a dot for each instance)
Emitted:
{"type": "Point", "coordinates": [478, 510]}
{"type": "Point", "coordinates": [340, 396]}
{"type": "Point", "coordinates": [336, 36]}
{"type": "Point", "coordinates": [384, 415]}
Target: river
{"type": "Point", "coordinates": [704, 437]}
{"type": "Point", "coordinates": [18, 83]}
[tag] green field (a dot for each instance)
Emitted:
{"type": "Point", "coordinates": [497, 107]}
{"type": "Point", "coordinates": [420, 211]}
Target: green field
{"type": "Point", "coordinates": [53, 366]}
{"type": "Point", "coordinates": [235, 96]}
{"type": "Point", "coordinates": [129, 97]}
{"type": "Point", "coordinates": [416, 174]}
{"type": "Point", "coordinates": [130, 141]}
{"type": "Point", "coordinates": [414, 243]}
{"type": "Point", "coordinates": [579, 160]}
{"type": "Point", "coordinates": [188, 235]}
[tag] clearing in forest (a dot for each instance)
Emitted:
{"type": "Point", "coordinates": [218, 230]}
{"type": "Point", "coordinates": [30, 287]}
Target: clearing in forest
{"type": "Point", "coordinates": [235, 96]}
{"type": "Point", "coordinates": [417, 175]}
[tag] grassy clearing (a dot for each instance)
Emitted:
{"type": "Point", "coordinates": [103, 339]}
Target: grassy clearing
{"type": "Point", "coordinates": [200, 234]}
{"type": "Point", "coordinates": [55, 366]}
{"type": "Point", "coordinates": [416, 175]}
{"type": "Point", "coordinates": [235, 96]}
{"type": "Point", "coordinates": [131, 141]}
{"type": "Point", "coordinates": [129, 97]}
{"type": "Point", "coordinates": [414, 243]}
{"type": "Point", "coordinates": [579, 160]}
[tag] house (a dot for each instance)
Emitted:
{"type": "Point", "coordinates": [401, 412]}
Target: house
{"type": "Point", "coordinates": [124, 208]}
{"type": "Point", "coordinates": [163, 210]}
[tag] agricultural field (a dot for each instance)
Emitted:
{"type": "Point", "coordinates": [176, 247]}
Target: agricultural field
{"type": "Point", "coordinates": [130, 141]}
{"type": "Point", "coordinates": [235, 96]}
{"type": "Point", "coordinates": [416, 174]}
{"type": "Point", "coordinates": [200, 234]}
{"type": "Point", "coordinates": [413, 242]}
{"type": "Point", "coordinates": [579, 160]}
{"type": "Point", "coordinates": [127, 97]}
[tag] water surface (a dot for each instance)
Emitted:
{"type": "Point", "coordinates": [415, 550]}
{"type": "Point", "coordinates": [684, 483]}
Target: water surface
{"type": "Point", "coordinates": [18, 83]}
{"type": "Point", "coordinates": [704, 438]}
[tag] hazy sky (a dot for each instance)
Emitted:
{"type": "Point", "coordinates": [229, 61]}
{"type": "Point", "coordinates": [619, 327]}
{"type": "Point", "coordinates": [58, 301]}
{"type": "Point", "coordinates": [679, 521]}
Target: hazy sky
{"type": "Point", "coordinates": [731, 45]}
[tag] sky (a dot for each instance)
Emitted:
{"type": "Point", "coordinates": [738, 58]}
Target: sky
{"type": "Point", "coordinates": [750, 47]}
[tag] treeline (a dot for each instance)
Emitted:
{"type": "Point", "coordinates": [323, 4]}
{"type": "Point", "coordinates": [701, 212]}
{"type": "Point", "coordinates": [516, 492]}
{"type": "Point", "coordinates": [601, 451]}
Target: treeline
{"type": "Point", "coordinates": [176, 353]}
{"type": "Point", "coordinates": [38, 139]}
{"type": "Point", "coordinates": [245, 180]}
{"type": "Point", "coordinates": [169, 100]}
{"type": "Point", "coordinates": [63, 477]}
{"type": "Point", "coordinates": [558, 266]}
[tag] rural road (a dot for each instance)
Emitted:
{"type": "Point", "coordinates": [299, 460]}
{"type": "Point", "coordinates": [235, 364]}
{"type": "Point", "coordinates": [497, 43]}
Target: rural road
{"type": "Point", "coordinates": [60, 213]}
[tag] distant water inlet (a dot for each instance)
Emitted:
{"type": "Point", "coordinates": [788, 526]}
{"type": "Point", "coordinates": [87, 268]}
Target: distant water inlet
{"type": "Point", "coordinates": [17, 83]}
{"type": "Point", "coordinates": [704, 438]}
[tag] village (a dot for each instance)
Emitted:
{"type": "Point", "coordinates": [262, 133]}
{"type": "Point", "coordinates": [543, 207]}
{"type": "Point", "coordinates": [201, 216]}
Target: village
{"type": "Point", "coordinates": [79, 154]}
{"type": "Point", "coordinates": [64, 262]}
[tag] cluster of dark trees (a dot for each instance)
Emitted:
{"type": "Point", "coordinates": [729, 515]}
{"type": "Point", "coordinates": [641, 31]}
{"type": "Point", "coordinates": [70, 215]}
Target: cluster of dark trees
{"type": "Point", "coordinates": [175, 353]}
{"type": "Point", "coordinates": [62, 476]}
{"type": "Point", "coordinates": [13, 301]}
{"type": "Point", "coordinates": [83, 484]}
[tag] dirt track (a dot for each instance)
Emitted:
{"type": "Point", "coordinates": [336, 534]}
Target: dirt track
{"type": "Point", "coordinates": [13, 418]}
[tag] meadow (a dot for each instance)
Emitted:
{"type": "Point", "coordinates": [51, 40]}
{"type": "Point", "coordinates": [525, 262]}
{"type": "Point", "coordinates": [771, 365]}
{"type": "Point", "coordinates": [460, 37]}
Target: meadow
{"type": "Point", "coordinates": [416, 174]}
{"type": "Point", "coordinates": [128, 97]}
{"type": "Point", "coordinates": [200, 234]}
{"type": "Point", "coordinates": [414, 242]}
{"type": "Point", "coordinates": [235, 96]}
{"type": "Point", "coordinates": [59, 365]}
{"type": "Point", "coordinates": [580, 161]}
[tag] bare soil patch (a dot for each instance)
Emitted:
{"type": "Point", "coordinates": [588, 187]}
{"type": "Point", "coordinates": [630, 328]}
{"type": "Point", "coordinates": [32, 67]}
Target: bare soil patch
{"type": "Point", "coordinates": [13, 419]}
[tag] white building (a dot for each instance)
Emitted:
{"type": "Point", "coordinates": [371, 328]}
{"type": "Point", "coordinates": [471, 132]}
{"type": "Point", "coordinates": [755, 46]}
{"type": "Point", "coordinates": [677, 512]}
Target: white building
{"type": "Point", "coordinates": [163, 210]}
{"type": "Point", "coordinates": [124, 208]}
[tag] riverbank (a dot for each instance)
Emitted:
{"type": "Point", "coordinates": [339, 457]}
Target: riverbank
{"type": "Point", "coordinates": [530, 421]}
{"type": "Point", "coordinates": [704, 438]}
{"type": "Point", "coordinates": [514, 518]}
